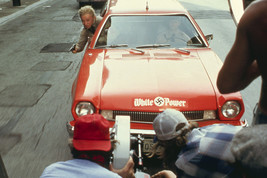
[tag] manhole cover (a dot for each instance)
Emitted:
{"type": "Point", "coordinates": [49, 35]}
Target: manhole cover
{"type": "Point", "coordinates": [51, 66]}
{"type": "Point", "coordinates": [22, 95]}
{"type": "Point", "coordinates": [56, 48]}
{"type": "Point", "coordinates": [210, 14]}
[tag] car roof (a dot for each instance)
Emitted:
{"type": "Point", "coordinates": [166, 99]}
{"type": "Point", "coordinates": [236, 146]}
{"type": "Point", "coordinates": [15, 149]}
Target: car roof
{"type": "Point", "coordinates": [146, 7]}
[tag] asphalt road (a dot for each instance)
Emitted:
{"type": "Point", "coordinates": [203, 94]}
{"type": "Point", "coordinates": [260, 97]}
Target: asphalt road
{"type": "Point", "coordinates": [36, 74]}
{"type": "Point", "coordinates": [37, 71]}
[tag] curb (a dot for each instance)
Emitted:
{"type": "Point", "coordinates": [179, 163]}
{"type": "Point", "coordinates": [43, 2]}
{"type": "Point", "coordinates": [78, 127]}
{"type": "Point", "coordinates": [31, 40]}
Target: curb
{"type": "Point", "coordinates": [6, 19]}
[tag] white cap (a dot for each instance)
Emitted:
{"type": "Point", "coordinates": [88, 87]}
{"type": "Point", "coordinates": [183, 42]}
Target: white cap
{"type": "Point", "coordinates": [165, 124]}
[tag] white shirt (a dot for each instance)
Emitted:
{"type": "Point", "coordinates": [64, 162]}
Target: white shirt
{"type": "Point", "coordinates": [77, 168]}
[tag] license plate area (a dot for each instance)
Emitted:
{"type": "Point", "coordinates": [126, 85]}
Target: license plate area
{"type": "Point", "coordinates": [147, 145]}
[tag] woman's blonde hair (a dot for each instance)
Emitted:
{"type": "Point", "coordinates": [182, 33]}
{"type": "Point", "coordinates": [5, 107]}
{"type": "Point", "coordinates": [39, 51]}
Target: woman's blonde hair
{"type": "Point", "coordinates": [87, 10]}
{"type": "Point", "coordinates": [168, 150]}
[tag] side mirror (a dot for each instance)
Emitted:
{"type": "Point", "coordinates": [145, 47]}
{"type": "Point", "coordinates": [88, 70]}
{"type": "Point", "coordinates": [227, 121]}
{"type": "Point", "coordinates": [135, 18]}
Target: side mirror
{"type": "Point", "coordinates": [209, 37]}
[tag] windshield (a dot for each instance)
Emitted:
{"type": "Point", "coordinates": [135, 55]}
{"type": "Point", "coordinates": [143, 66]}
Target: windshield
{"type": "Point", "coordinates": [148, 31]}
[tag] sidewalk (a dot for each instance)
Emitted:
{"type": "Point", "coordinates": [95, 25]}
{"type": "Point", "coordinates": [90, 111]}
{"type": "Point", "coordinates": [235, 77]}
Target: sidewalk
{"type": "Point", "coordinates": [9, 12]}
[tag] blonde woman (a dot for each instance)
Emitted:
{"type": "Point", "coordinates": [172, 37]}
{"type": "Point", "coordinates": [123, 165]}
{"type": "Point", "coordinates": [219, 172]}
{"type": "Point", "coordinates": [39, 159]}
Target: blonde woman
{"type": "Point", "coordinates": [90, 22]}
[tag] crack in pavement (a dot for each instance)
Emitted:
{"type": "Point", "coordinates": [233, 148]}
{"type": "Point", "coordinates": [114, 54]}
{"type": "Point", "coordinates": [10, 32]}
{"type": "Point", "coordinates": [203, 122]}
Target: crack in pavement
{"type": "Point", "coordinates": [37, 143]}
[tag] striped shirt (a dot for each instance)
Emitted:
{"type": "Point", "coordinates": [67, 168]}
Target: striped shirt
{"type": "Point", "coordinates": [207, 153]}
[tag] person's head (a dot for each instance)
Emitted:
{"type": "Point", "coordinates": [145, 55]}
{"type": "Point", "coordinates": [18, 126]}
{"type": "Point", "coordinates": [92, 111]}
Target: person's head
{"type": "Point", "coordinates": [169, 124]}
{"type": "Point", "coordinates": [171, 128]}
{"type": "Point", "coordinates": [249, 147]}
{"type": "Point", "coordinates": [91, 139]}
{"type": "Point", "coordinates": [87, 15]}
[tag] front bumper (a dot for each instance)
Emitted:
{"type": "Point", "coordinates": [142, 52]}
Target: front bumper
{"type": "Point", "coordinates": [70, 130]}
{"type": "Point", "coordinates": [144, 132]}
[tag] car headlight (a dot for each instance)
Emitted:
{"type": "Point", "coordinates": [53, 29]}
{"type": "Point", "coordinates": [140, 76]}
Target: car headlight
{"type": "Point", "coordinates": [231, 109]}
{"type": "Point", "coordinates": [84, 108]}
{"type": "Point", "coordinates": [209, 114]}
{"type": "Point", "coordinates": [108, 114]}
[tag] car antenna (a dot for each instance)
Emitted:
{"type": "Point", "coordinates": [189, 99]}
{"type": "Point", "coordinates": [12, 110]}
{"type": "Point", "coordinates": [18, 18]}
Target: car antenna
{"type": "Point", "coordinates": [147, 5]}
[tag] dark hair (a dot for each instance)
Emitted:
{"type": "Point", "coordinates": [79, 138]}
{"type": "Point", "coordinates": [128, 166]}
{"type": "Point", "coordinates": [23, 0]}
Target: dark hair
{"type": "Point", "coordinates": [89, 155]}
{"type": "Point", "coordinates": [167, 150]}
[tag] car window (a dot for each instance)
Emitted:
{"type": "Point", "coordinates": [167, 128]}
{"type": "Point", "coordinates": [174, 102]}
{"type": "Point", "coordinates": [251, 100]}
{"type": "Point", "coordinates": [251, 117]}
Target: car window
{"type": "Point", "coordinates": [135, 31]}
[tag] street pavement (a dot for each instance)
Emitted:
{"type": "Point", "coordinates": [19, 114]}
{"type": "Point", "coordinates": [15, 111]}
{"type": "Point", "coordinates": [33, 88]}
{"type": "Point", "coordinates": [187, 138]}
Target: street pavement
{"type": "Point", "coordinates": [9, 12]}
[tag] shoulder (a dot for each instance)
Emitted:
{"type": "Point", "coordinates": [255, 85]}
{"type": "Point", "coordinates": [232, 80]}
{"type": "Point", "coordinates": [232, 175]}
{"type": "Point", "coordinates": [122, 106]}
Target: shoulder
{"type": "Point", "coordinates": [98, 19]}
{"type": "Point", "coordinates": [257, 8]}
{"type": "Point", "coordinates": [261, 4]}
{"type": "Point", "coordinates": [213, 140]}
{"type": "Point", "coordinates": [209, 146]}
{"type": "Point", "coordinates": [55, 169]}
{"type": "Point", "coordinates": [77, 168]}
{"type": "Point", "coordinates": [84, 31]}
{"type": "Point", "coordinates": [221, 128]}
{"type": "Point", "coordinates": [256, 12]}
{"type": "Point", "coordinates": [217, 132]}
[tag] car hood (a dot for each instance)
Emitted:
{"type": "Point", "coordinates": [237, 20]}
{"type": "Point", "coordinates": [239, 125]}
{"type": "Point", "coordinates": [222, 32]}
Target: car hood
{"type": "Point", "coordinates": [155, 80]}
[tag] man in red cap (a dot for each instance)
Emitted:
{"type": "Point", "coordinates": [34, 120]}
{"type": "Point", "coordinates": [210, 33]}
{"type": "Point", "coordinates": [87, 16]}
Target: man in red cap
{"type": "Point", "coordinates": [91, 148]}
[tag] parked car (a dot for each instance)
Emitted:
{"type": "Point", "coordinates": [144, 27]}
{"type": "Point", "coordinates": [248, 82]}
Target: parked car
{"type": "Point", "coordinates": [147, 56]}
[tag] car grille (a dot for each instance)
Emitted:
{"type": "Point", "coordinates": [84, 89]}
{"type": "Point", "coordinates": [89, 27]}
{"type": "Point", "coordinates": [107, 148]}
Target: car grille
{"type": "Point", "coordinates": [150, 116]}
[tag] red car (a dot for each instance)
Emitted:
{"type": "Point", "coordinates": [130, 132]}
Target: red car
{"type": "Point", "coordinates": [147, 56]}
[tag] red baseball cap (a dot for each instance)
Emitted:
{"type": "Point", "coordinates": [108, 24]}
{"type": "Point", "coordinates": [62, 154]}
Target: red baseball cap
{"type": "Point", "coordinates": [91, 132]}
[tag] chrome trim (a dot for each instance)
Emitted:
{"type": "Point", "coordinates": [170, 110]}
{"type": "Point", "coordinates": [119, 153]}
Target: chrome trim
{"type": "Point", "coordinates": [70, 129]}
{"type": "Point", "coordinates": [143, 132]}
{"type": "Point", "coordinates": [244, 123]}
{"type": "Point", "coordinates": [148, 117]}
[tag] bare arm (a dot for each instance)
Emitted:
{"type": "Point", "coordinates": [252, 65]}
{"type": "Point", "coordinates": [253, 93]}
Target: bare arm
{"type": "Point", "coordinates": [164, 174]}
{"type": "Point", "coordinates": [239, 68]}
{"type": "Point", "coordinates": [82, 41]}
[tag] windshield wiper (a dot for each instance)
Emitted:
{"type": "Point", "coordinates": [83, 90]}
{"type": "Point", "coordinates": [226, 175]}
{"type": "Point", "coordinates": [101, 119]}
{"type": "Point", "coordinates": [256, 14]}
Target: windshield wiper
{"type": "Point", "coordinates": [194, 41]}
{"type": "Point", "coordinates": [153, 46]}
{"type": "Point", "coordinates": [182, 51]}
{"type": "Point", "coordinates": [139, 51]}
{"type": "Point", "coordinates": [113, 46]}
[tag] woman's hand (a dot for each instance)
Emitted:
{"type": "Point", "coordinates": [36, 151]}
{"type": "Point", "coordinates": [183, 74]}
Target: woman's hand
{"type": "Point", "coordinates": [164, 174]}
